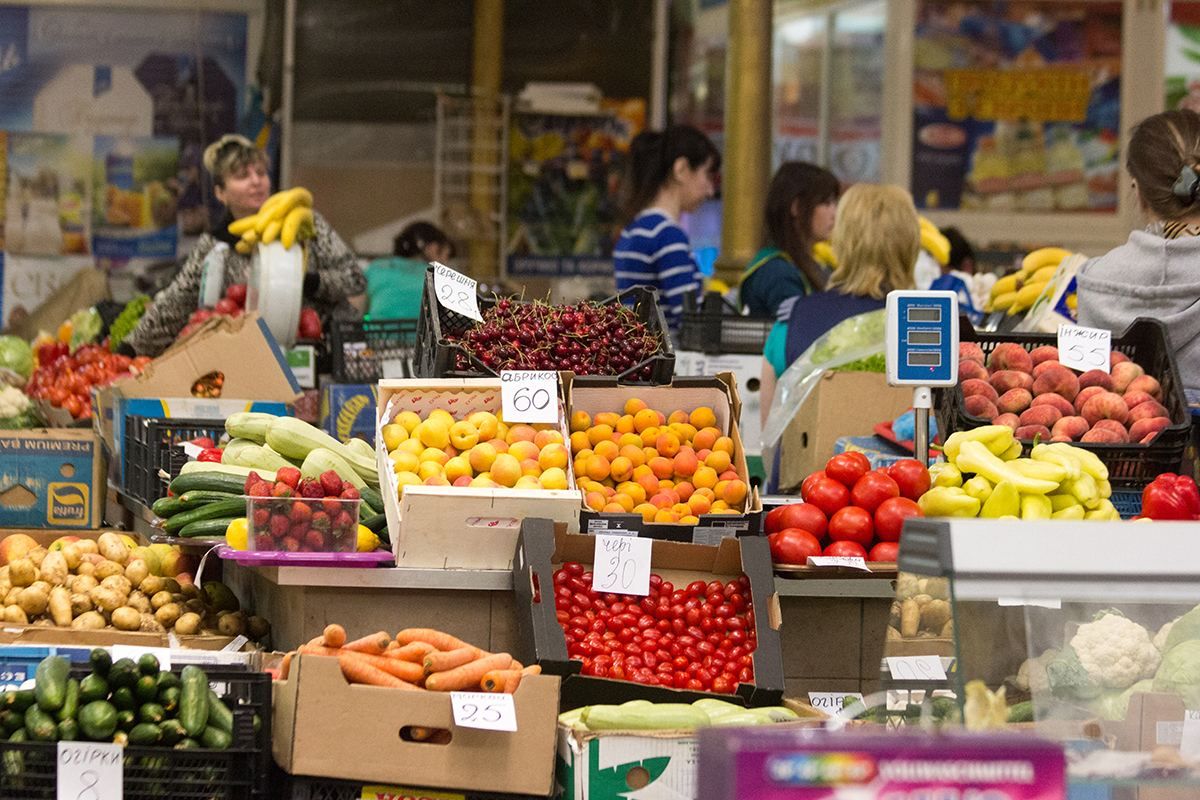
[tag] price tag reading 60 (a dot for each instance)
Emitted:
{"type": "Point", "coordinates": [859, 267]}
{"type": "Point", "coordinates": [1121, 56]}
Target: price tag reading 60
{"type": "Point", "coordinates": [529, 396]}
{"type": "Point", "coordinates": [621, 565]}
{"type": "Point", "coordinates": [455, 291]}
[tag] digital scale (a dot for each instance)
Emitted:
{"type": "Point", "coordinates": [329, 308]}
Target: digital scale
{"type": "Point", "coordinates": [922, 351]}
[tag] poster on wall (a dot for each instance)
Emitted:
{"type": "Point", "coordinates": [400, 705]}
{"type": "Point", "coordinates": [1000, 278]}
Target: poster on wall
{"type": "Point", "coordinates": [1016, 105]}
{"type": "Point", "coordinates": [48, 198]}
{"type": "Point", "coordinates": [1182, 71]}
{"type": "Point", "coordinates": [134, 214]}
{"type": "Point", "coordinates": [29, 280]}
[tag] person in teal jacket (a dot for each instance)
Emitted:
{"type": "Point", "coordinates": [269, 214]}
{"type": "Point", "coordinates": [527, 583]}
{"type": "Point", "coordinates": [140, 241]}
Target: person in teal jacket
{"type": "Point", "coordinates": [395, 285]}
{"type": "Point", "coordinates": [801, 206]}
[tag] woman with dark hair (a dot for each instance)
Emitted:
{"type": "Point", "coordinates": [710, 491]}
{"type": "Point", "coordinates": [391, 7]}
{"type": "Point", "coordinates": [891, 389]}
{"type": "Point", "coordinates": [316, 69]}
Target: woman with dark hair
{"type": "Point", "coordinates": [801, 208]}
{"type": "Point", "coordinates": [670, 172]}
{"type": "Point", "coordinates": [395, 285]}
{"type": "Point", "coordinates": [1156, 273]}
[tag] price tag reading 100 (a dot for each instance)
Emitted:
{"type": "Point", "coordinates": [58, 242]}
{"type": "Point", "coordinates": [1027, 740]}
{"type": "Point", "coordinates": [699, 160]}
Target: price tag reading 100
{"type": "Point", "coordinates": [621, 565]}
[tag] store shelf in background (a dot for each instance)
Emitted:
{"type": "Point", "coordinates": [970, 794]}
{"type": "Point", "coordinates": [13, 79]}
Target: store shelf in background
{"type": "Point", "coordinates": [365, 351]}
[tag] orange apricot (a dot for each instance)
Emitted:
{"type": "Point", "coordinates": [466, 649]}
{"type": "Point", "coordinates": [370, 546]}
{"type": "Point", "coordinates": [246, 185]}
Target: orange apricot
{"type": "Point", "coordinates": [608, 449]}
{"type": "Point", "coordinates": [621, 469]}
{"type": "Point", "coordinates": [667, 445]}
{"type": "Point", "coordinates": [646, 510]}
{"type": "Point", "coordinates": [597, 467]}
{"type": "Point", "coordinates": [580, 441]}
{"type": "Point", "coordinates": [724, 443]}
{"type": "Point", "coordinates": [705, 478]}
{"type": "Point", "coordinates": [719, 460]}
{"type": "Point", "coordinates": [634, 404]}
{"type": "Point", "coordinates": [663, 468]}
{"type": "Point", "coordinates": [677, 416]}
{"type": "Point", "coordinates": [684, 490]}
{"type": "Point", "coordinates": [703, 417]}
{"type": "Point", "coordinates": [646, 418]}
{"type": "Point", "coordinates": [599, 433]}
{"type": "Point", "coordinates": [685, 463]}
{"type": "Point", "coordinates": [580, 421]}
{"type": "Point", "coordinates": [705, 438]}
{"type": "Point", "coordinates": [624, 424]}
{"type": "Point", "coordinates": [607, 419]}
{"type": "Point", "coordinates": [734, 493]}
{"type": "Point", "coordinates": [594, 500]}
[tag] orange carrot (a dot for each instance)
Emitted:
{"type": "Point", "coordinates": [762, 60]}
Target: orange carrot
{"type": "Point", "coordinates": [319, 650]}
{"type": "Point", "coordinates": [419, 734]}
{"type": "Point", "coordinates": [438, 661]}
{"type": "Point", "coordinates": [495, 680]}
{"type": "Point", "coordinates": [334, 636]}
{"type": "Point", "coordinates": [375, 644]}
{"type": "Point", "coordinates": [440, 640]}
{"type": "Point", "coordinates": [319, 641]}
{"type": "Point", "coordinates": [414, 652]}
{"type": "Point", "coordinates": [285, 666]}
{"type": "Point", "coordinates": [357, 670]}
{"type": "Point", "coordinates": [514, 681]}
{"type": "Point", "coordinates": [392, 645]}
{"type": "Point", "coordinates": [405, 671]}
{"type": "Point", "coordinates": [468, 676]}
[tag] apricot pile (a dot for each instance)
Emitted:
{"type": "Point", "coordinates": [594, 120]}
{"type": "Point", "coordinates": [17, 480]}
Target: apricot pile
{"type": "Point", "coordinates": [669, 468]}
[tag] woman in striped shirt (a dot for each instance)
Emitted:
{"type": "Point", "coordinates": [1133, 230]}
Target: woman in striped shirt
{"type": "Point", "coordinates": [671, 172]}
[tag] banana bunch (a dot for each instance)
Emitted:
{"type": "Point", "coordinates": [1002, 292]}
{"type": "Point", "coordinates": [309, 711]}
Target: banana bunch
{"type": "Point", "coordinates": [1017, 292]}
{"type": "Point", "coordinates": [286, 216]}
{"type": "Point", "coordinates": [823, 254]}
{"type": "Point", "coordinates": [934, 243]}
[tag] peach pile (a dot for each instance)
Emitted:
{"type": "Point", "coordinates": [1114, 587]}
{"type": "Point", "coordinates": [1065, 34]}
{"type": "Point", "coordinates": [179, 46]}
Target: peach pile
{"type": "Point", "coordinates": [668, 468]}
{"type": "Point", "coordinates": [480, 451]}
{"type": "Point", "coordinates": [1036, 396]}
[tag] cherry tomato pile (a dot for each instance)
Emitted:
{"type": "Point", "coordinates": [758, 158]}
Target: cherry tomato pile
{"type": "Point", "coordinates": [848, 510]}
{"type": "Point", "coordinates": [700, 637]}
{"type": "Point", "coordinates": [65, 379]}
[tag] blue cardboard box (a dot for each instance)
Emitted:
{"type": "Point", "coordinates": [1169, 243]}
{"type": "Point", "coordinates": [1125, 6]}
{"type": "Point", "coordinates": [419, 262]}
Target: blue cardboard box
{"type": "Point", "coordinates": [51, 478]}
{"type": "Point", "coordinates": [348, 410]}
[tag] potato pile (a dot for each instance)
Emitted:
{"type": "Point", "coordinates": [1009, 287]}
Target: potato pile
{"type": "Point", "coordinates": [90, 585]}
{"type": "Point", "coordinates": [921, 609]}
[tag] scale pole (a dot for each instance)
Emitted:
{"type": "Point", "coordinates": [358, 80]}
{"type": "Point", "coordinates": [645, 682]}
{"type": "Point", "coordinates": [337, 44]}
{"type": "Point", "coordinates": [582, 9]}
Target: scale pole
{"type": "Point", "coordinates": [922, 402]}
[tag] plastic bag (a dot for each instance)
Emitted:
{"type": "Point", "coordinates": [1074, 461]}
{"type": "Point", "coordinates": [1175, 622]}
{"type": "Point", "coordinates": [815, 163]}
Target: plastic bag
{"type": "Point", "coordinates": [850, 340]}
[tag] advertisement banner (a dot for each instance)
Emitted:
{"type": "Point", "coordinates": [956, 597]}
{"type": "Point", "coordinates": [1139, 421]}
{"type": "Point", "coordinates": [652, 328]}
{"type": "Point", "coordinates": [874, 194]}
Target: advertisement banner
{"type": "Point", "coordinates": [1016, 105]}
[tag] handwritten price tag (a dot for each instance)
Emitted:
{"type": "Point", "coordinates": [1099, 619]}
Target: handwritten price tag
{"type": "Point", "coordinates": [852, 562]}
{"type": "Point", "coordinates": [529, 396]}
{"type": "Point", "coordinates": [1084, 349]}
{"type": "Point", "coordinates": [455, 291]}
{"type": "Point", "coordinates": [621, 565]}
{"type": "Point", "coordinates": [916, 668]}
{"type": "Point", "coordinates": [831, 702]}
{"type": "Point", "coordinates": [484, 710]}
{"type": "Point", "coordinates": [90, 771]}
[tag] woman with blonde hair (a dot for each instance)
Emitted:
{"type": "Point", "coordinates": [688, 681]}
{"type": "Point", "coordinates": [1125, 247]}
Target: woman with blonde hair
{"type": "Point", "coordinates": [876, 238]}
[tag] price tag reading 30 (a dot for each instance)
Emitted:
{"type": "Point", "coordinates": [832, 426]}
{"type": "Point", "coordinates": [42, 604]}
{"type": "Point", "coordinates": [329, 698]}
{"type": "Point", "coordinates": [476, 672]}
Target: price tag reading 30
{"type": "Point", "coordinates": [90, 771]}
{"type": "Point", "coordinates": [455, 291]}
{"type": "Point", "coordinates": [1084, 348]}
{"type": "Point", "coordinates": [488, 711]}
{"type": "Point", "coordinates": [529, 396]}
{"type": "Point", "coordinates": [621, 565]}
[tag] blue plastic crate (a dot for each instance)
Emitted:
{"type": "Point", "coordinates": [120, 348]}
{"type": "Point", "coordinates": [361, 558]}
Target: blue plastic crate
{"type": "Point", "coordinates": [18, 661]}
{"type": "Point", "coordinates": [1127, 501]}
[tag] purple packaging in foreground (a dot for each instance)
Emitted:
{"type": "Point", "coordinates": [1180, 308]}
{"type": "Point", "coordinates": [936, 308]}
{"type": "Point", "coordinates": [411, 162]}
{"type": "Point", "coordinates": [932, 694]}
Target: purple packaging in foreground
{"type": "Point", "coordinates": [808, 764]}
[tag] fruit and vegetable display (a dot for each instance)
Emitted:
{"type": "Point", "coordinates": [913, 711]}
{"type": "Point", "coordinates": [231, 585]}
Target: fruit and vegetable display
{"type": "Point", "coordinates": [1038, 397]}
{"type": "Point", "coordinates": [16, 409]}
{"type": "Point", "coordinates": [123, 701]}
{"type": "Point", "coordinates": [1171, 497]}
{"type": "Point", "coordinates": [585, 338]}
{"type": "Point", "coordinates": [477, 449]}
{"type": "Point", "coordinates": [295, 514]}
{"type": "Point", "coordinates": [698, 637]}
{"type": "Point", "coordinates": [984, 476]}
{"type": "Point", "coordinates": [1017, 292]}
{"type": "Point", "coordinates": [848, 510]}
{"type": "Point", "coordinates": [921, 609]}
{"type": "Point", "coordinates": [642, 715]}
{"type": "Point", "coordinates": [111, 582]}
{"type": "Point", "coordinates": [64, 377]}
{"type": "Point", "coordinates": [670, 468]}
{"type": "Point", "coordinates": [416, 658]}
{"type": "Point", "coordinates": [286, 216]}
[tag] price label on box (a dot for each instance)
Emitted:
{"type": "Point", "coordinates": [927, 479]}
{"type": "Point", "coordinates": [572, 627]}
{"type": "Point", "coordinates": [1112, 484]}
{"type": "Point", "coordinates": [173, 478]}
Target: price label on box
{"type": "Point", "coordinates": [1084, 349]}
{"type": "Point", "coordinates": [621, 565]}
{"type": "Point", "coordinates": [850, 562]}
{"type": "Point", "coordinates": [456, 292]}
{"type": "Point", "coordinates": [916, 668]}
{"type": "Point", "coordinates": [832, 702]}
{"type": "Point", "coordinates": [487, 711]}
{"type": "Point", "coordinates": [88, 770]}
{"type": "Point", "coordinates": [529, 395]}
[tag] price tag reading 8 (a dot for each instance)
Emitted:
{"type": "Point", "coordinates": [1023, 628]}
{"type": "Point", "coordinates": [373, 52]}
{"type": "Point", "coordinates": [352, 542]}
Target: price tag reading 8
{"type": "Point", "coordinates": [621, 565]}
{"type": "Point", "coordinates": [529, 396]}
{"type": "Point", "coordinates": [488, 711]}
{"type": "Point", "coordinates": [916, 668]}
{"type": "Point", "coordinates": [1085, 349]}
{"type": "Point", "coordinates": [455, 291]}
{"type": "Point", "coordinates": [89, 771]}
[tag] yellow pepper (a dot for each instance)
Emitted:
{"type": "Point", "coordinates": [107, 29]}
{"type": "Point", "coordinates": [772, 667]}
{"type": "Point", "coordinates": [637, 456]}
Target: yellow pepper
{"type": "Point", "coordinates": [975, 457]}
{"type": "Point", "coordinates": [978, 487]}
{"type": "Point", "coordinates": [1070, 512]}
{"type": "Point", "coordinates": [1035, 506]}
{"type": "Point", "coordinates": [1005, 501]}
{"type": "Point", "coordinates": [945, 474]}
{"type": "Point", "coordinates": [996, 438]}
{"type": "Point", "coordinates": [948, 501]}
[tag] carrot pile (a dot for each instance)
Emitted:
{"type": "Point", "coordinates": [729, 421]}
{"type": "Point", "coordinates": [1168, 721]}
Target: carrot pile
{"type": "Point", "coordinates": [417, 658]}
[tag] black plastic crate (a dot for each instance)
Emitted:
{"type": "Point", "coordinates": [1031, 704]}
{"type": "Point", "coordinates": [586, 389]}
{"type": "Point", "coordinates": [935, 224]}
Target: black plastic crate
{"type": "Point", "coordinates": [155, 773]}
{"type": "Point", "coordinates": [437, 357]}
{"type": "Point", "coordinates": [305, 788]}
{"type": "Point", "coordinates": [1130, 466]}
{"type": "Point", "coordinates": [151, 447]}
{"type": "Point", "coordinates": [360, 349]}
{"type": "Point", "coordinates": [718, 328]}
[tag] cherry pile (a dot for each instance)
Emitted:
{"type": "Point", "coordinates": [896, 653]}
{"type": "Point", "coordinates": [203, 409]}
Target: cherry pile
{"type": "Point", "coordinates": [699, 638]}
{"type": "Point", "coordinates": [584, 338]}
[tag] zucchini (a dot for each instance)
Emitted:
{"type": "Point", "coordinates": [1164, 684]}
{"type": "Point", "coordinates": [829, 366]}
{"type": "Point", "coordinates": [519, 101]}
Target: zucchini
{"type": "Point", "coordinates": [219, 715]}
{"type": "Point", "coordinates": [50, 683]}
{"type": "Point", "coordinates": [216, 739]}
{"type": "Point", "coordinates": [172, 732]}
{"type": "Point", "coordinates": [168, 698]}
{"type": "Point", "coordinates": [98, 720]}
{"type": "Point", "coordinates": [71, 704]}
{"type": "Point", "coordinates": [250, 425]}
{"type": "Point", "coordinates": [92, 687]}
{"type": "Point", "coordinates": [152, 712]}
{"type": "Point", "coordinates": [193, 700]}
{"type": "Point", "coordinates": [228, 509]}
{"type": "Point", "coordinates": [146, 688]}
{"type": "Point", "coordinates": [123, 699]}
{"type": "Point", "coordinates": [208, 482]}
{"type": "Point", "coordinates": [256, 457]}
{"type": "Point", "coordinates": [148, 665]}
{"type": "Point", "coordinates": [200, 497]}
{"type": "Point", "coordinates": [322, 460]}
{"type": "Point", "coordinates": [193, 468]}
{"type": "Point", "coordinates": [362, 446]}
{"type": "Point", "coordinates": [657, 717]}
{"type": "Point", "coordinates": [295, 438]}
{"type": "Point", "coordinates": [40, 726]}
{"type": "Point", "coordinates": [124, 673]}
{"type": "Point", "coordinates": [207, 527]}
{"type": "Point", "coordinates": [166, 506]}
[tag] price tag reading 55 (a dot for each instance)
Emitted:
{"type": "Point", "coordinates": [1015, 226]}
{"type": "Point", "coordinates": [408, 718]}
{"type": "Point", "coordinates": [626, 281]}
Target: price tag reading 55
{"type": "Point", "coordinates": [529, 396]}
{"type": "Point", "coordinates": [621, 565]}
{"type": "Point", "coordinates": [455, 291]}
{"type": "Point", "coordinates": [1085, 349]}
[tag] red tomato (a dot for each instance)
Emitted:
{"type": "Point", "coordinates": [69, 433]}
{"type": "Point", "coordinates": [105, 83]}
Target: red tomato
{"type": "Point", "coordinates": [884, 551]}
{"type": "Point", "coordinates": [772, 523]}
{"type": "Point", "coordinates": [827, 494]}
{"type": "Point", "coordinates": [793, 546]}
{"type": "Point", "coordinates": [847, 468]}
{"type": "Point", "coordinates": [850, 549]}
{"type": "Point", "coordinates": [809, 481]}
{"type": "Point", "coordinates": [890, 516]}
{"type": "Point", "coordinates": [872, 489]}
{"type": "Point", "coordinates": [911, 477]}
{"type": "Point", "coordinates": [852, 524]}
{"type": "Point", "coordinates": [805, 516]}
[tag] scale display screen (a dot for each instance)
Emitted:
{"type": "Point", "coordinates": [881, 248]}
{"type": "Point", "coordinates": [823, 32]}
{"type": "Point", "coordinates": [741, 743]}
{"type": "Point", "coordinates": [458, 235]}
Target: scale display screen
{"type": "Point", "coordinates": [922, 359]}
{"type": "Point", "coordinates": [924, 314]}
{"type": "Point", "coordinates": [925, 337]}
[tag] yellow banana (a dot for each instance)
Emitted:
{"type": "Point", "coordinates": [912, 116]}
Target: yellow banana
{"type": "Point", "coordinates": [1044, 257]}
{"type": "Point", "coordinates": [273, 202]}
{"type": "Point", "coordinates": [936, 245]}
{"type": "Point", "coordinates": [295, 198]}
{"type": "Point", "coordinates": [1009, 283]}
{"type": "Point", "coordinates": [1044, 274]}
{"type": "Point", "coordinates": [1003, 302]}
{"type": "Point", "coordinates": [292, 224]}
{"type": "Point", "coordinates": [250, 237]}
{"type": "Point", "coordinates": [1025, 297]}
{"type": "Point", "coordinates": [823, 253]}
{"type": "Point", "coordinates": [272, 231]}
{"type": "Point", "coordinates": [240, 226]}
{"type": "Point", "coordinates": [243, 247]}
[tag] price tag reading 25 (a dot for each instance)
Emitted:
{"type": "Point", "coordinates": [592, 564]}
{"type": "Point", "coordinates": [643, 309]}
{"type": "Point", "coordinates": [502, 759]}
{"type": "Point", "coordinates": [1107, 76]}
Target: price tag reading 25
{"type": "Point", "coordinates": [621, 565]}
{"type": "Point", "coordinates": [456, 291]}
{"type": "Point", "coordinates": [487, 711]}
{"type": "Point", "coordinates": [529, 395]}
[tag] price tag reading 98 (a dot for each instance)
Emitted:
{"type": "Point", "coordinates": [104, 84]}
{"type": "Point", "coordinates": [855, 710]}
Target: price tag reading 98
{"type": "Point", "coordinates": [455, 291]}
{"type": "Point", "coordinates": [621, 565]}
{"type": "Point", "coordinates": [529, 396]}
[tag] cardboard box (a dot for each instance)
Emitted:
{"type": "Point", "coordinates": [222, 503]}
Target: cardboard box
{"type": "Point", "coordinates": [601, 766]}
{"type": "Point", "coordinates": [51, 478]}
{"type": "Point", "coordinates": [747, 372]}
{"type": "Point", "coordinates": [46, 537]}
{"type": "Point", "coordinates": [543, 546]}
{"type": "Point", "coordinates": [444, 527]}
{"type": "Point", "coordinates": [841, 404]}
{"type": "Point", "coordinates": [597, 394]}
{"type": "Point", "coordinates": [349, 410]}
{"type": "Point", "coordinates": [310, 740]}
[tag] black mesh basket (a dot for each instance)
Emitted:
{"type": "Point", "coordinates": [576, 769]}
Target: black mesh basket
{"type": "Point", "coordinates": [364, 351]}
{"type": "Point", "coordinates": [151, 448]}
{"type": "Point", "coordinates": [717, 328]}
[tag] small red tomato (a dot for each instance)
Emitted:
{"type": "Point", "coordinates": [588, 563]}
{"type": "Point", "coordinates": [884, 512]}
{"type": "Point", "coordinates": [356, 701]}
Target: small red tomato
{"type": "Point", "coordinates": [884, 551]}
{"type": "Point", "coordinates": [911, 476]}
{"type": "Point", "coordinates": [890, 516]}
{"type": "Point", "coordinates": [827, 494]}
{"type": "Point", "coordinates": [846, 468]}
{"type": "Point", "coordinates": [793, 546]}
{"type": "Point", "coordinates": [810, 481]}
{"type": "Point", "coordinates": [849, 549]}
{"type": "Point", "coordinates": [872, 489]}
{"type": "Point", "coordinates": [852, 524]}
{"type": "Point", "coordinates": [802, 515]}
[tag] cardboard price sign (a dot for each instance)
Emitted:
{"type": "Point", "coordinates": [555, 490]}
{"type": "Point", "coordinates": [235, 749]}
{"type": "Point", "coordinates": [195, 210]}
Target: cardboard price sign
{"type": "Point", "coordinates": [916, 668]}
{"type": "Point", "coordinates": [487, 711]}
{"type": "Point", "coordinates": [621, 565]}
{"type": "Point", "coordinates": [456, 291]}
{"type": "Point", "coordinates": [529, 395]}
{"type": "Point", "coordinates": [1085, 349]}
{"type": "Point", "coordinates": [90, 771]}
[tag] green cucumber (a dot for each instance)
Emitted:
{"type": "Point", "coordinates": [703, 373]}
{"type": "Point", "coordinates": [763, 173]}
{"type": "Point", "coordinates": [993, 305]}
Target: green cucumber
{"type": "Point", "coordinates": [121, 738]}
{"type": "Point", "coordinates": [50, 687]}
{"type": "Point", "coordinates": [208, 527]}
{"type": "Point", "coordinates": [146, 688]}
{"type": "Point", "coordinates": [40, 726]}
{"type": "Point", "coordinates": [92, 687]}
{"type": "Point", "coordinates": [376, 522]}
{"type": "Point", "coordinates": [208, 481]}
{"type": "Point", "coordinates": [219, 715]}
{"type": "Point", "coordinates": [168, 698]}
{"type": "Point", "coordinates": [19, 700]}
{"type": "Point", "coordinates": [216, 739]}
{"type": "Point", "coordinates": [372, 498]}
{"type": "Point", "coordinates": [123, 699]}
{"type": "Point", "coordinates": [68, 730]}
{"type": "Point", "coordinates": [124, 674]}
{"type": "Point", "coordinates": [126, 719]}
{"type": "Point", "coordinates": [14, 760]}
{"type": "Point", "coordinates": [71, 704]}
{"type": "Point", "coordinates": [172, 731]}
{"type": "Point", "coordinates": [101, 661]}
{"type": "Point", "coordinates": [148, 665]}
{"type": "Point", "coordinates": [187, 743]}
{"type": "Point", "coordinates": [166, 506]}
{"type": "Point", "coordinates": [10, 721]}
{"type": "Point", "coordinates": [233, 507]}
{"type": "Point", "coordinates": [152, 712]}
{"type": "Point", "coordinates": [167, 679]}
{"type": "Point", "coordinates": [193, 700]}
{"type": "Point", "coordinates": [145, 734]}
{"type": "Point", "coordinates": [200, 497]}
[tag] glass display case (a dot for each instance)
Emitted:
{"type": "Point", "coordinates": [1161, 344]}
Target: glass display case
{"type": "Point", "coordinates": [1087, 633]}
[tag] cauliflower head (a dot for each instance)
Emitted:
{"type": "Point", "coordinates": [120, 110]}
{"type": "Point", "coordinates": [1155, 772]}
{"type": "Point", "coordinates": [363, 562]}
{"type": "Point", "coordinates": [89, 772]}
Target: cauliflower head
{"type": "Point", "coordinates": [1116, 651]}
